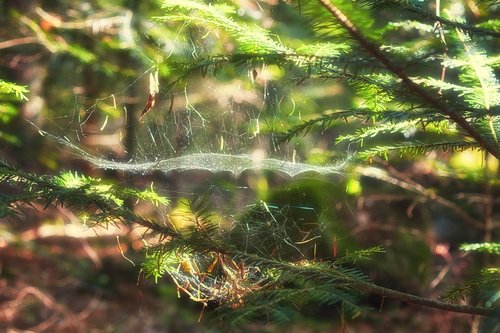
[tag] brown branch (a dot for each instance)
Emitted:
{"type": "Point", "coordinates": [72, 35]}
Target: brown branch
{"type": "Point", "coordinates": [414, 87]}
{"type": "Point", "coordinates": [429, 194]}
{"type": "Point", "coordinates": [416, 300]}
{"type": "Point", "coordinates": [368, 287]}
{"type": "Point", "coordinates": [417, 188]}
{"type": "Point", "coordinates": [19, 41]}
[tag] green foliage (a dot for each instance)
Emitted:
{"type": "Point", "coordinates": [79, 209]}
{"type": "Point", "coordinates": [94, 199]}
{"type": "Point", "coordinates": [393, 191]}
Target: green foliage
{"type": "Point", "coordinates": [70, 180]}
{"type": "Point", "coordinates": [474, 94]}
{"type": "Point", "coordinates": [477, 89]}
{"type": "Point", "coordinates": [211, 264]}
{"type": "Point", "coordinates": [254, 46]}
{"type": "Point", "coordinates": [233, 268]}
{"type": "Point", "coordinates": [416, 148]}
{"type": "Point", "coordinates": [418, 9]}
{"type": "Point", "coordinates": [486, 285]}
{"type": "Point", "coordinates": [98, 202]}
{"type": "Point", "coordinates": [10, 95]}
{"type": "Point", "coordinates": [251, 38]}
{"type": "Point", "coordinates": [257, 264]}
{"type": "Point", "coordinates": [9, 88]}
{"type": "Point", "coordinates": [397, 99]}
{"type": "Point", "coordinates": [491, 248]}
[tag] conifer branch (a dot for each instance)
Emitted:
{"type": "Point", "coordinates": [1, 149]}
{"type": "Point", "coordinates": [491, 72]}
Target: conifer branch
{"type": "Point", "coordinates": [431, 17]}
{"type": "Point", "coordinates": [466, 27]}
{"type": "Point", "coordinates": [421, 301]}
{"type": "Point", "coordinates": [361, 285]}
{"type": "Point", "coordinates": [412, 86]}
{"type": "Point", "coordinates": [26, 187]}
{"type": "Point", "coordinates": [417, 148]}
{"type": "Point", "coordinates": [342, 279]}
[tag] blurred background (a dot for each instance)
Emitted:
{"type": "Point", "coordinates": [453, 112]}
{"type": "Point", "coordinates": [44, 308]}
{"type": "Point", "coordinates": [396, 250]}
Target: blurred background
{"type": "Point", "coordinates": [92, 68]}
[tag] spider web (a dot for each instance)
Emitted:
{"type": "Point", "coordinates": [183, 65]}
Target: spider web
{"type": "Point", "coordinates": [155, 119]}
{"type": "Point", "coordinates": [225, 123]}
{"type": "Point", "coordinates": [209, 125]}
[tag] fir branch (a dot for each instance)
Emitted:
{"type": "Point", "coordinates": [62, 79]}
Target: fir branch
{"type": "Point", "coordinates": [331, 281]}
{"type": "Point", "coordinates": [411, 24]}
{"type": "Point", "coordinates": [490, 24]}
{"type": "Point", "coordinates": [480, 75]}
{"type": "Point", "coordinates": [359, 255]}
{"type": "Point", "coordinates": [11, 88]}
{"type": "Point", "coordinates": [426, 302]}
{"type": "Point", "coordinates": [416, 148]}
{"type": "Point", "coordinates": [410, 84]}
{"type": "Point", "coordinates": [486, 284]}
{"type": "Point", "coordinates": [426, 15]}
{"type": "Point", "coordinates": [471, 29]}
{"type": "Point", "coordinates": [324, 121]}
{"type": "Point", "coordinates": [275, 304]}
{"type": "Point", "coordinates": [421, 118]}
{"type": "Point", "coordinates": [302, 58]}
{"type": "Point", "coordinates": [489, 3]}
{"type": "Point", "coordinates": [324, 273]}
{"type": "Point", "coordinates": [79, 193]}
{"type": "Point", "coordinates": [369, 132]}
{"type": "Point", "coordinates": [251, 38]}
{"type": "Point", "coordinates": [491, 248]}
{"type": "Point", "coordinates": [444, 86]}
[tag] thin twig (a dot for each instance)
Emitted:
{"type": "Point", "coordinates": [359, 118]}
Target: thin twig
{"type": "Point", "coordinates": [488, 208]}
{"type": "Point", "coordinates": [19, 41]}
{"type": "Point", "coordinates": [415, 187]}
{"type": "Point", "coordinates": [414, 87]}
